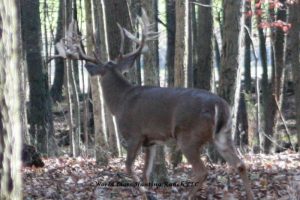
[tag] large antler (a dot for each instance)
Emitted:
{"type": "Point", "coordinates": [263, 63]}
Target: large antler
{"type": "Point", "coordinates": [147, 34]}
{"type": "Point", "coordinates": [71, 46]}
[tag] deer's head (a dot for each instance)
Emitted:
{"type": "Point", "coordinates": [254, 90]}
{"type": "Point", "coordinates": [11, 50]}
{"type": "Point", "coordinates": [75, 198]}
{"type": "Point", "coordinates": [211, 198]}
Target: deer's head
{"type": "Point", "coordinates": [71, 48]}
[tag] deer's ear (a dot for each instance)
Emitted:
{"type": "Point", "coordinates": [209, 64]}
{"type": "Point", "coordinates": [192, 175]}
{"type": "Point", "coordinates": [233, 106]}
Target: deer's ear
{"type": "Point", "coordinates": [94, 69]}
{"type": "Point", "coordinates": [125, 64]}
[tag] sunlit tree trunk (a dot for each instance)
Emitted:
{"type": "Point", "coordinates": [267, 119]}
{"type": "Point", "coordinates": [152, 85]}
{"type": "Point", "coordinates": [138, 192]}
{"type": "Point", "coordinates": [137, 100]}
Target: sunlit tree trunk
{"type": "Point", "coordinates": [10, 108]}
{"type": "Point", "coordinates": [101, 145]}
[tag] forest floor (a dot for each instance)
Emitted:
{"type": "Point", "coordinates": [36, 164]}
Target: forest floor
{"type": "Point", "coordinates": [272, 177]}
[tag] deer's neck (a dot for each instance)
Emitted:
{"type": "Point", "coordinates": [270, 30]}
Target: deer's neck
{"type": "Point", "coordinates": [114, 87]}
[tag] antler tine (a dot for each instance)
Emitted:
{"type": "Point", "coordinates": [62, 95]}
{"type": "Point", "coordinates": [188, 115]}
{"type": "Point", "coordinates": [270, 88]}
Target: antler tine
{"type": "Point", "coordinates": [122, 40]}
{"type": "Point", "coordinates": [70, 47]}
{"type": "Point", "coordinates": [145, 18]}
{"type": "Point", "coordinates": [147, 34]}
{"type": "Point", "coordinates": [85, 57]}
{"type": "Point", "coordinates": [143, 25]}
{"type": "Point", "coordinates": [131, 36]}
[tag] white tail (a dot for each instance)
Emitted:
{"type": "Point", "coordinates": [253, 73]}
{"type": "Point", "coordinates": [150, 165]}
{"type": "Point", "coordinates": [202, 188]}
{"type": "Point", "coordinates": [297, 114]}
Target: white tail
{"type": "Point", "coordinates": [147, 115]}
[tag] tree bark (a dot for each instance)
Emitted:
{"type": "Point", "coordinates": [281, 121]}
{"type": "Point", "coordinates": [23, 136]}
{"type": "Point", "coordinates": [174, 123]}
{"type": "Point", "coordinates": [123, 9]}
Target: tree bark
{"type": "Point", "coordinates": [114, 40]}
{"type": "Point", "coordinates": [10, 108]}
{"type": "Point", "coordinates": [69, 83]}
{"type": "Point", "coordinates": [175, 154]}
{"type": "Point", "coordinates": [230, 50]}
{"type": "Point", "coordinates": [56, 89]}
{"type": "Point", "coordinates": [229, 83]}
{"type": "Point", "coordinates": [151, 62]}
{"type": "Point", "coordinates": [135, 74]}
{"type": "Point", "coordinates": [151, 77]}
{"type": "Point", "coordinates": [40, 115]}
{"type": "Point", "coordinates": [203, 42]}
{"type": "Point", "coordinates": [23, 78]}
{"type": "Point", "coordinates": [247, 58]}
{"type": "Point", "coordinates": [181, 43]}
{"type": "Point", "coordinates": [171, 29]}
{"type": "Point", "coordinates": [280, 52]}
{"type": "Point", "coordinates": [293, 46]}
{"type": "Point", "coordinates": [242, 119]}
{"type": "Point", "coordinates": [268, 107]}
{"type": "Point", "coordinates": [113, 33]}
{"type": "Point", "coordinates": [101, 141]}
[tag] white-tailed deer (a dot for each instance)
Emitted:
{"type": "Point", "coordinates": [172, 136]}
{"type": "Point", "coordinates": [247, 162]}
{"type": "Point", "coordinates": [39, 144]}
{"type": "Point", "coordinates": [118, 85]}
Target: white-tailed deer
{"type": "Point", "coordinates": [147, 115]}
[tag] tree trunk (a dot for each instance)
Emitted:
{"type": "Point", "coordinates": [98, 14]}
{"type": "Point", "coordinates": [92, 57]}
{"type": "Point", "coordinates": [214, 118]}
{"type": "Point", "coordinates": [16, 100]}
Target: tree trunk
{"type": "Point", "coordinates": [175, 154]}
{"type": "Point", "coordinates": [151, 77]}
{"type": "Point", "coordinates": [10, 108]}
{"type": "Point", "coordinates": [266, 93]}
{"type": "Point", "coordinates": [242, 123]}
{"type": "Point", "coordinates": [247, 58]}
{"type": "Point", "coordinates": [280, 53]}
{"type": "Point", "coordinates": [70, 107]}
{"type": "Point", "coordinates": [56, 89]}
{"type": "Point", "coordinates": [190, 65]}
{"type": "Point", "coordinates": [181, 43]}
{"type": "Point", "coordinates": [242, 120]}
{"type": "Point", "coordinates": [171, 29]}
{"type": "Point", "coordinates": [77, 144]}
{"type": "Point", "coordinates": [114, 40]}
{"type": "Point", "coordinates": [111, 133]}
{"type": "Point", "coordinates": [229, 83]}
{"type": "Point", "coordinates": [135, 74]}
{"type": "Point", "coordinates": [203, 54]}
{"type": "Point", "coordinates": [151, 63]}
{"type": "Point", "coordinates": [293, 46]}
{"type": "Point", "coordinates": [113, 32]}
{"type": "Point", "coordinates": [203, 42]}
{"type": "Point", "coordinates": [23, 79]}
{"type": "Point", "coordinates": [230, 50]}
{"type": "Point", "coordinates": [69, 83]}
{"type": "Point", "coordinates": [101, 145]}
{"type": "Point", "coordinates": [40, 115]}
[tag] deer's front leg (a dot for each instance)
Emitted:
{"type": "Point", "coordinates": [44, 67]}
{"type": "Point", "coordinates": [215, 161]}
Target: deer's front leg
{"type": "Point", "coordinates": [133, 145]}
{"type": "Point", "coordinates": [150, 153]}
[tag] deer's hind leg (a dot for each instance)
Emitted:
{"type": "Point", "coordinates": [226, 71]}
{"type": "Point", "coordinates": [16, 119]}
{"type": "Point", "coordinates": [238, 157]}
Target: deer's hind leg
{"type": "Point", "coordinates": [227, 150]}
{"type": "Point", "coordinates": [149, 159]}
{"type": "Point", "coordinates": [191, 150]}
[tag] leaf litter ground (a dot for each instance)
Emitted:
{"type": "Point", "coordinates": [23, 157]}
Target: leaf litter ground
{"type": "Point", "coordinates": [272, 176]}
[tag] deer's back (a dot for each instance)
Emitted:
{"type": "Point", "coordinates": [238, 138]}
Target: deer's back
{"type": "Point", "coordinates": [164, 111]}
